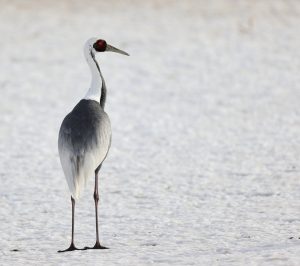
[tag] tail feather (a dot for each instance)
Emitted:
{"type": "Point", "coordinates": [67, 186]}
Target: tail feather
{"type": "Point", "coordinates": [77, 172]}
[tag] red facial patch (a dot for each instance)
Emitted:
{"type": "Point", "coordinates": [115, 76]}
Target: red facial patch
{"type": "Point", "coordinates": [100, 45]}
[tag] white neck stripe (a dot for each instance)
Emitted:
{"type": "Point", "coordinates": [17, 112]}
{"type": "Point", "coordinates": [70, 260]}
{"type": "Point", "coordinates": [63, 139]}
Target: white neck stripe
{"type": "Point", "coordinates": [94, 92]}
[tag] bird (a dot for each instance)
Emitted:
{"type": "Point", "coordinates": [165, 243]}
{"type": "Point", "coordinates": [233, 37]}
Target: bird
{"type": "Point", "coordinates": [84, 136]}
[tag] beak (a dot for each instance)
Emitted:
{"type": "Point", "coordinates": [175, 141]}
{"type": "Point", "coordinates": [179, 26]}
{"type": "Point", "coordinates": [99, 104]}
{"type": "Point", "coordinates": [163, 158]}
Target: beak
{"type": "Point", "coordinates": [110, 48]}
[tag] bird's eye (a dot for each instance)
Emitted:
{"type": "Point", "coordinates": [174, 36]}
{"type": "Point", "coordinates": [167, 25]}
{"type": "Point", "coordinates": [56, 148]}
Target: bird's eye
{"type": "Point", "coordinates": [100, 45]}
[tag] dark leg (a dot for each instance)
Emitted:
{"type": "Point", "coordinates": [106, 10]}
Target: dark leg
{"type": "Point", "coordinates": [96, 199]}
{"type": "Point", "coordinates": [72, 246]}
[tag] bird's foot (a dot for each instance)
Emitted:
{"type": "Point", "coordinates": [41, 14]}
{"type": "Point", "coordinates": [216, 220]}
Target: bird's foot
{"type": "Point", "coordinates": [71, 248]}
{"type": "Point", "coordinates": [96, 246]}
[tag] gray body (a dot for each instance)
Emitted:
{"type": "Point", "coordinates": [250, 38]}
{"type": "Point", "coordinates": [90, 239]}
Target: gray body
{"type": "Point", "coordinates": [84, 141]}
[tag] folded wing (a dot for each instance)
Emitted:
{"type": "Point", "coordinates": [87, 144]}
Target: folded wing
{"type": "Point", "coordinates": [83, 144]}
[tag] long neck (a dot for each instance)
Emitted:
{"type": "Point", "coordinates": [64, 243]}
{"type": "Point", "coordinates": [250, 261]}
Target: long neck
{"type": "Point", "coordinates": [97, 90]}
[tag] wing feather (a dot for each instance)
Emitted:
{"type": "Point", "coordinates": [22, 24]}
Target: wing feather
{"type": "Point", "coordinates": [82, 148]}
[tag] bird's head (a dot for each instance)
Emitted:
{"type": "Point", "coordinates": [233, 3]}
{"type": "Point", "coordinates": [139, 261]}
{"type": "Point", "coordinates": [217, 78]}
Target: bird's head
{"type": "Point", "coordinates": [95, 45]}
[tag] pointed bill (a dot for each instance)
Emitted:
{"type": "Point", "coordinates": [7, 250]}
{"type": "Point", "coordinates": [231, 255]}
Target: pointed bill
{"type": "Point", "coordinates": [110, 48]}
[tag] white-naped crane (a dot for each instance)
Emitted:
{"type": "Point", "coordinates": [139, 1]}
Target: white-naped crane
{"type": "Point", "coordinates": [85, 135]}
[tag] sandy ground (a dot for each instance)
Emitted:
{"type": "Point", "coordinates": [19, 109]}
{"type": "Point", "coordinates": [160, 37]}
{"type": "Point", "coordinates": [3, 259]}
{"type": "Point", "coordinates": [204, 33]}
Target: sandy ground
{"type": "Point", "coordinates": [205, 160]}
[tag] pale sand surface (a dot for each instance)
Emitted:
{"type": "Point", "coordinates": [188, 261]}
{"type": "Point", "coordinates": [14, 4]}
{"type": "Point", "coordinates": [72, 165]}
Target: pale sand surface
{"type": "Point", "coordinates": [205, 159]}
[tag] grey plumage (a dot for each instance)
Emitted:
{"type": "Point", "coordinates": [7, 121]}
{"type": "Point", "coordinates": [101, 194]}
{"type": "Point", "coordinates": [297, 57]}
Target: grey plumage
{"type": "Point", "coordinates": [84, 141]}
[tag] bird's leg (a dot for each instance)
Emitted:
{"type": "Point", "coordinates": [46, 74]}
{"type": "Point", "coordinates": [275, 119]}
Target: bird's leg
{"type": "Point", "coordinates": [72, 246]}
{"type": "Point", "coordinates": [96, 199]}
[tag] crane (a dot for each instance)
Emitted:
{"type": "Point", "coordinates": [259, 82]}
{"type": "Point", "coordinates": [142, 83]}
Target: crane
{"type": "Point", "coordinates": [85, 135]}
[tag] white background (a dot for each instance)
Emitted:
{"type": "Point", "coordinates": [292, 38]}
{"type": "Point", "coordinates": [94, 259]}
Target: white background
{"type": "Point", "coordinates": [204, 164]}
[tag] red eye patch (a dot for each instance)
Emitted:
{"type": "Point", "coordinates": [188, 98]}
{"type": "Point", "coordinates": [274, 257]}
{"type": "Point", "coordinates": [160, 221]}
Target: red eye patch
{"type": "Point", "coordinates": [100, 45]}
